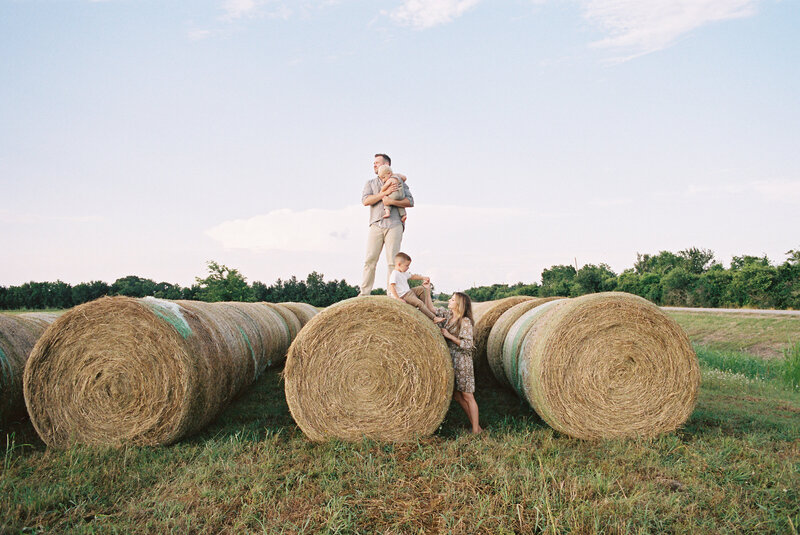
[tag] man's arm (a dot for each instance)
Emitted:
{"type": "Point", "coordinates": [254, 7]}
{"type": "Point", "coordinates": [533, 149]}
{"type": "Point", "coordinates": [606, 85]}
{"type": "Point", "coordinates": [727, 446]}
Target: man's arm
{"type": "Point", "coordinates": [405, 202]}
{"type": "Point", "coordinates": [368, 198]}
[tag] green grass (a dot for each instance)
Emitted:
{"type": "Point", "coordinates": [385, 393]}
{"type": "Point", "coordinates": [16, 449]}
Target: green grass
{"type": "Point", "coordinates": [766, 336]}
{"type": "Point", "coordinates": [733, 468]}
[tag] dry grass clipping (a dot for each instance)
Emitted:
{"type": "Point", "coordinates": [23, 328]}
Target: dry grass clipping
{"type": "Point", "coordinates": [369, 367]}
{"type": "Point", "coordinates": [18, 334]}
{"type": "Point", "coordinates": [498, 332]}
{"type": "Point", "coordinates": [603, 366]}
{"type": "Point", "coordinates": [483, 327]}
{"type": "Point", "coordinates": [303, 311]}
{"type": "Point", "coordinates": [146, 371]}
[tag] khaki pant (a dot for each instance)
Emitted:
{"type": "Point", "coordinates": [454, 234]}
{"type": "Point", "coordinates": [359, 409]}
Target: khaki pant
{"type": "Point", "coordinates": [376, 238]}
{"type": "Point", "coordinates": [415, 298]}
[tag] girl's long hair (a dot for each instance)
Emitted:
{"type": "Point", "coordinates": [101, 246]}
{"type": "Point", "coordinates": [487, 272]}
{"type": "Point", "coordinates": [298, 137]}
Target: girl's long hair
{"type": "Point", "coordinates": [463, 309]}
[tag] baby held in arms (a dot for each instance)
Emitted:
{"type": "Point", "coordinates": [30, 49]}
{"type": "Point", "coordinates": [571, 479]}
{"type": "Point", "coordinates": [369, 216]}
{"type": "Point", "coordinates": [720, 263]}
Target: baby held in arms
{"type": "Point", "coordinates": [400, 290]}
{"type": "Point", "coordinates": [389, 177]}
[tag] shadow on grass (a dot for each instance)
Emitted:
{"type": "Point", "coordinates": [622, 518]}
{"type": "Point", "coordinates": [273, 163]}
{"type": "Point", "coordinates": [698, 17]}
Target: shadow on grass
{"type": "Point", "coordinates": [262, 410]}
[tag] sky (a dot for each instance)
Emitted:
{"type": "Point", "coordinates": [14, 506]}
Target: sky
{"type": "Point", "coordinates": [143, 137]}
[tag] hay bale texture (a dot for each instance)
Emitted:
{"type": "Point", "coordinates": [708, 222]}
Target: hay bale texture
{"type": "Point", "coordinates": [18, 335]}
{"type": "Point", "coordinates": [603, 366]}
{"type": "Point", "coordinates": [498, 332]}
{"type": "Point", "coordinates": [369, 367]}
{"type": "Point", "coordinates": [483, 327]}
{"type": "Point", "coordinates": [146, 371]}
{"type": "Point", "coordinates": [303, 311]}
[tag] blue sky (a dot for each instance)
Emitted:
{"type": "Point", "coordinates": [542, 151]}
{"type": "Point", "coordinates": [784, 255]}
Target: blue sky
{"type": "Point", "coordinates": [143, 137]}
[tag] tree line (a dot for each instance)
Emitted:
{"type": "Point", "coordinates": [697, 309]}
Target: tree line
{"type": "Point", "coordinates": [221, 284]}
{"type": "Point", "coordinates": [691, 278]}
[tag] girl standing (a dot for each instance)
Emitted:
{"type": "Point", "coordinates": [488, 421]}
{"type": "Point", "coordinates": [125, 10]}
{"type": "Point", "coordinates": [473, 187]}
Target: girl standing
{"type": "Point", "coordinates": [457, 331]}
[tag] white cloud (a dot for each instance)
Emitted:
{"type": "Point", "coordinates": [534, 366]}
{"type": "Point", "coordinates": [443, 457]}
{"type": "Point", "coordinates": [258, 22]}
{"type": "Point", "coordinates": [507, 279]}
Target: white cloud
{"type": "Point", "coordinates": [455, 245]}
{"type": "Point", "coordinates": [636, 27]}
{"type": "Point", "coordinates": [238, 9]}
{"type": "Point", "coordinates": [427, 13]}
{"type": "Point", "coordinates": [235, 9]}
{"type": "Point", "coordinates": [774, 190]}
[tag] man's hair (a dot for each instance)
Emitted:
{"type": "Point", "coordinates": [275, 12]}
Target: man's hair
{"type": "Point", "coordinates": [402, 256]}
{"type": "Point", "coordinates": [385, 158]}
{"type": "Point", "coordinates": [384, 169]}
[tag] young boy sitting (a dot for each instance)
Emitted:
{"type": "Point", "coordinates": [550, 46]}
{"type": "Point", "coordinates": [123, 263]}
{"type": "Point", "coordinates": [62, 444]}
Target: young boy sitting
{"type": "Point", "coordinates": [388, 177]}
{"type": "Point", "coordinates": [399, 289]}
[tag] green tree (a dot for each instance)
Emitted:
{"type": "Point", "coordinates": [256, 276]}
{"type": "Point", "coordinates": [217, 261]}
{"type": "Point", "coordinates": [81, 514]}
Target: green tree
{"type": "Point", "coordinates": [89, 291]}
{"type": "Point", "coordinates": [133, 286]}
{"type": "Point", "coordinates": [593, 279]}
{"type": "Point", "coordinates": [165, 290]}
{"type": "Point", "coordinates": [697, 261]}
{"type": "Point", "coordinates": [558, 280]}
{"type": "Point", "coordinates": [677, 285]}
{"type": "Point", "coordinates": [223, 284]}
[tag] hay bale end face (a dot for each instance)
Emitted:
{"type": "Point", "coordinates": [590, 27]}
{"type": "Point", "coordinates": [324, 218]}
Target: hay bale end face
{"type": "Point", "coordinates": [603, 366]}
{"type": "Point", "coordinates": [145, 371]}
{"type": "Point", "coordinates": [18, 335]}
{"type": "Point", "coordinates": [369, 367]}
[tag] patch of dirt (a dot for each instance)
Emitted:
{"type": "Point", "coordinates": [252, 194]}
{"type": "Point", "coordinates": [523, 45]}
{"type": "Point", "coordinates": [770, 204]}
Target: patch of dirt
{"type": "Point", "coordinates": [766, 351]}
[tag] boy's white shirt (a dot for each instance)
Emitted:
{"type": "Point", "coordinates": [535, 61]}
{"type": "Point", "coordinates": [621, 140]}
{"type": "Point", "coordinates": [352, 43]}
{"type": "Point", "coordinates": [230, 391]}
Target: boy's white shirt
{"type": "Point", "coordinates": [400, 281]}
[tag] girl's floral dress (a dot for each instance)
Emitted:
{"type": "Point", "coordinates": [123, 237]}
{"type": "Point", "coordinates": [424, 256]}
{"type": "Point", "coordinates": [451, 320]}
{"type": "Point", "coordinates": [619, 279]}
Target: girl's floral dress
{"type": "Point", "coordinates": [461, 353]}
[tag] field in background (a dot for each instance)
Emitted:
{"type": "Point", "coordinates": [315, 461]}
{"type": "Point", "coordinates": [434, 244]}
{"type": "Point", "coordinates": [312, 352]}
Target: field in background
{"type": "Point", "coordinates": [733, 468]}
{"type": "Point", "coordinates": [761, 335]}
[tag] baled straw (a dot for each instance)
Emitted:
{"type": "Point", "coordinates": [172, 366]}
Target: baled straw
{"type": "Point", "coordinates": [303, 311]}
{"type": "Point", "coordinates": [289, 318]}
{"type": "Point", "coordinates": [498, 332]}
{"type": "Point", "coordinates": [369, 367]}
{"type": "Point", "coordinates": [18, 334]}
{"type": "Point", "coordinates": [603, 366]}
{"type": "Point", "coordinates": [479, 308]}
{"type": "Point", "coordinates": [145, 371]}
{"type": "Point", "coordinates": [483, 327]}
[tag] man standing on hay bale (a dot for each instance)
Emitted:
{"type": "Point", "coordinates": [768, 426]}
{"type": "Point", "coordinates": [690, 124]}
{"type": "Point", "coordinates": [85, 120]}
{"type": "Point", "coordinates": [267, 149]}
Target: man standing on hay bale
{"type": "Point", "coordinates": [382, 231]}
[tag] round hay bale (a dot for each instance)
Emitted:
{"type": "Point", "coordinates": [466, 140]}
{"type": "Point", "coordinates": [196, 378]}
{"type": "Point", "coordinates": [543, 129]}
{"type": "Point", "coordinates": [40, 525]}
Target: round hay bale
{"type": "Point", "coordinates": [303, 311]}
{"type": "Point", "coordinates": [145, 371]}
{"type": "Point", "coordinates": [18, 335]}
{"type": "Point", "coordinates": [480, 308]}
{"type": "Point", "coordinates": [483, 327]}
{"type": "Point", "coordinates": [603, 366]}
{"type": "Point", "coordinates": [291, 320]}
{"type": "Point", "coordinates": [498, 332]}
{"type": "Point", "coordinates": [369, 367]}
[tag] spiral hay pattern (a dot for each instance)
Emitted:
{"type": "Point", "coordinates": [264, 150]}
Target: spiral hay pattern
{"type": "Point", "coordinates": [18, 334]}
{"type": "Point", "coordinates": [369, 367]}
{"type": "Point", "coordinates": [602, 366]}
{"type": "Point", "coordinates": [146, 371]}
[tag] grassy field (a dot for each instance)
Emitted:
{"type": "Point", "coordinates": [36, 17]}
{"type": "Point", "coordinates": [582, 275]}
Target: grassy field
{"type": "Point", "coordinates": [765, 336]}
{"type": "Point", "coordinates": [733, 468]}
